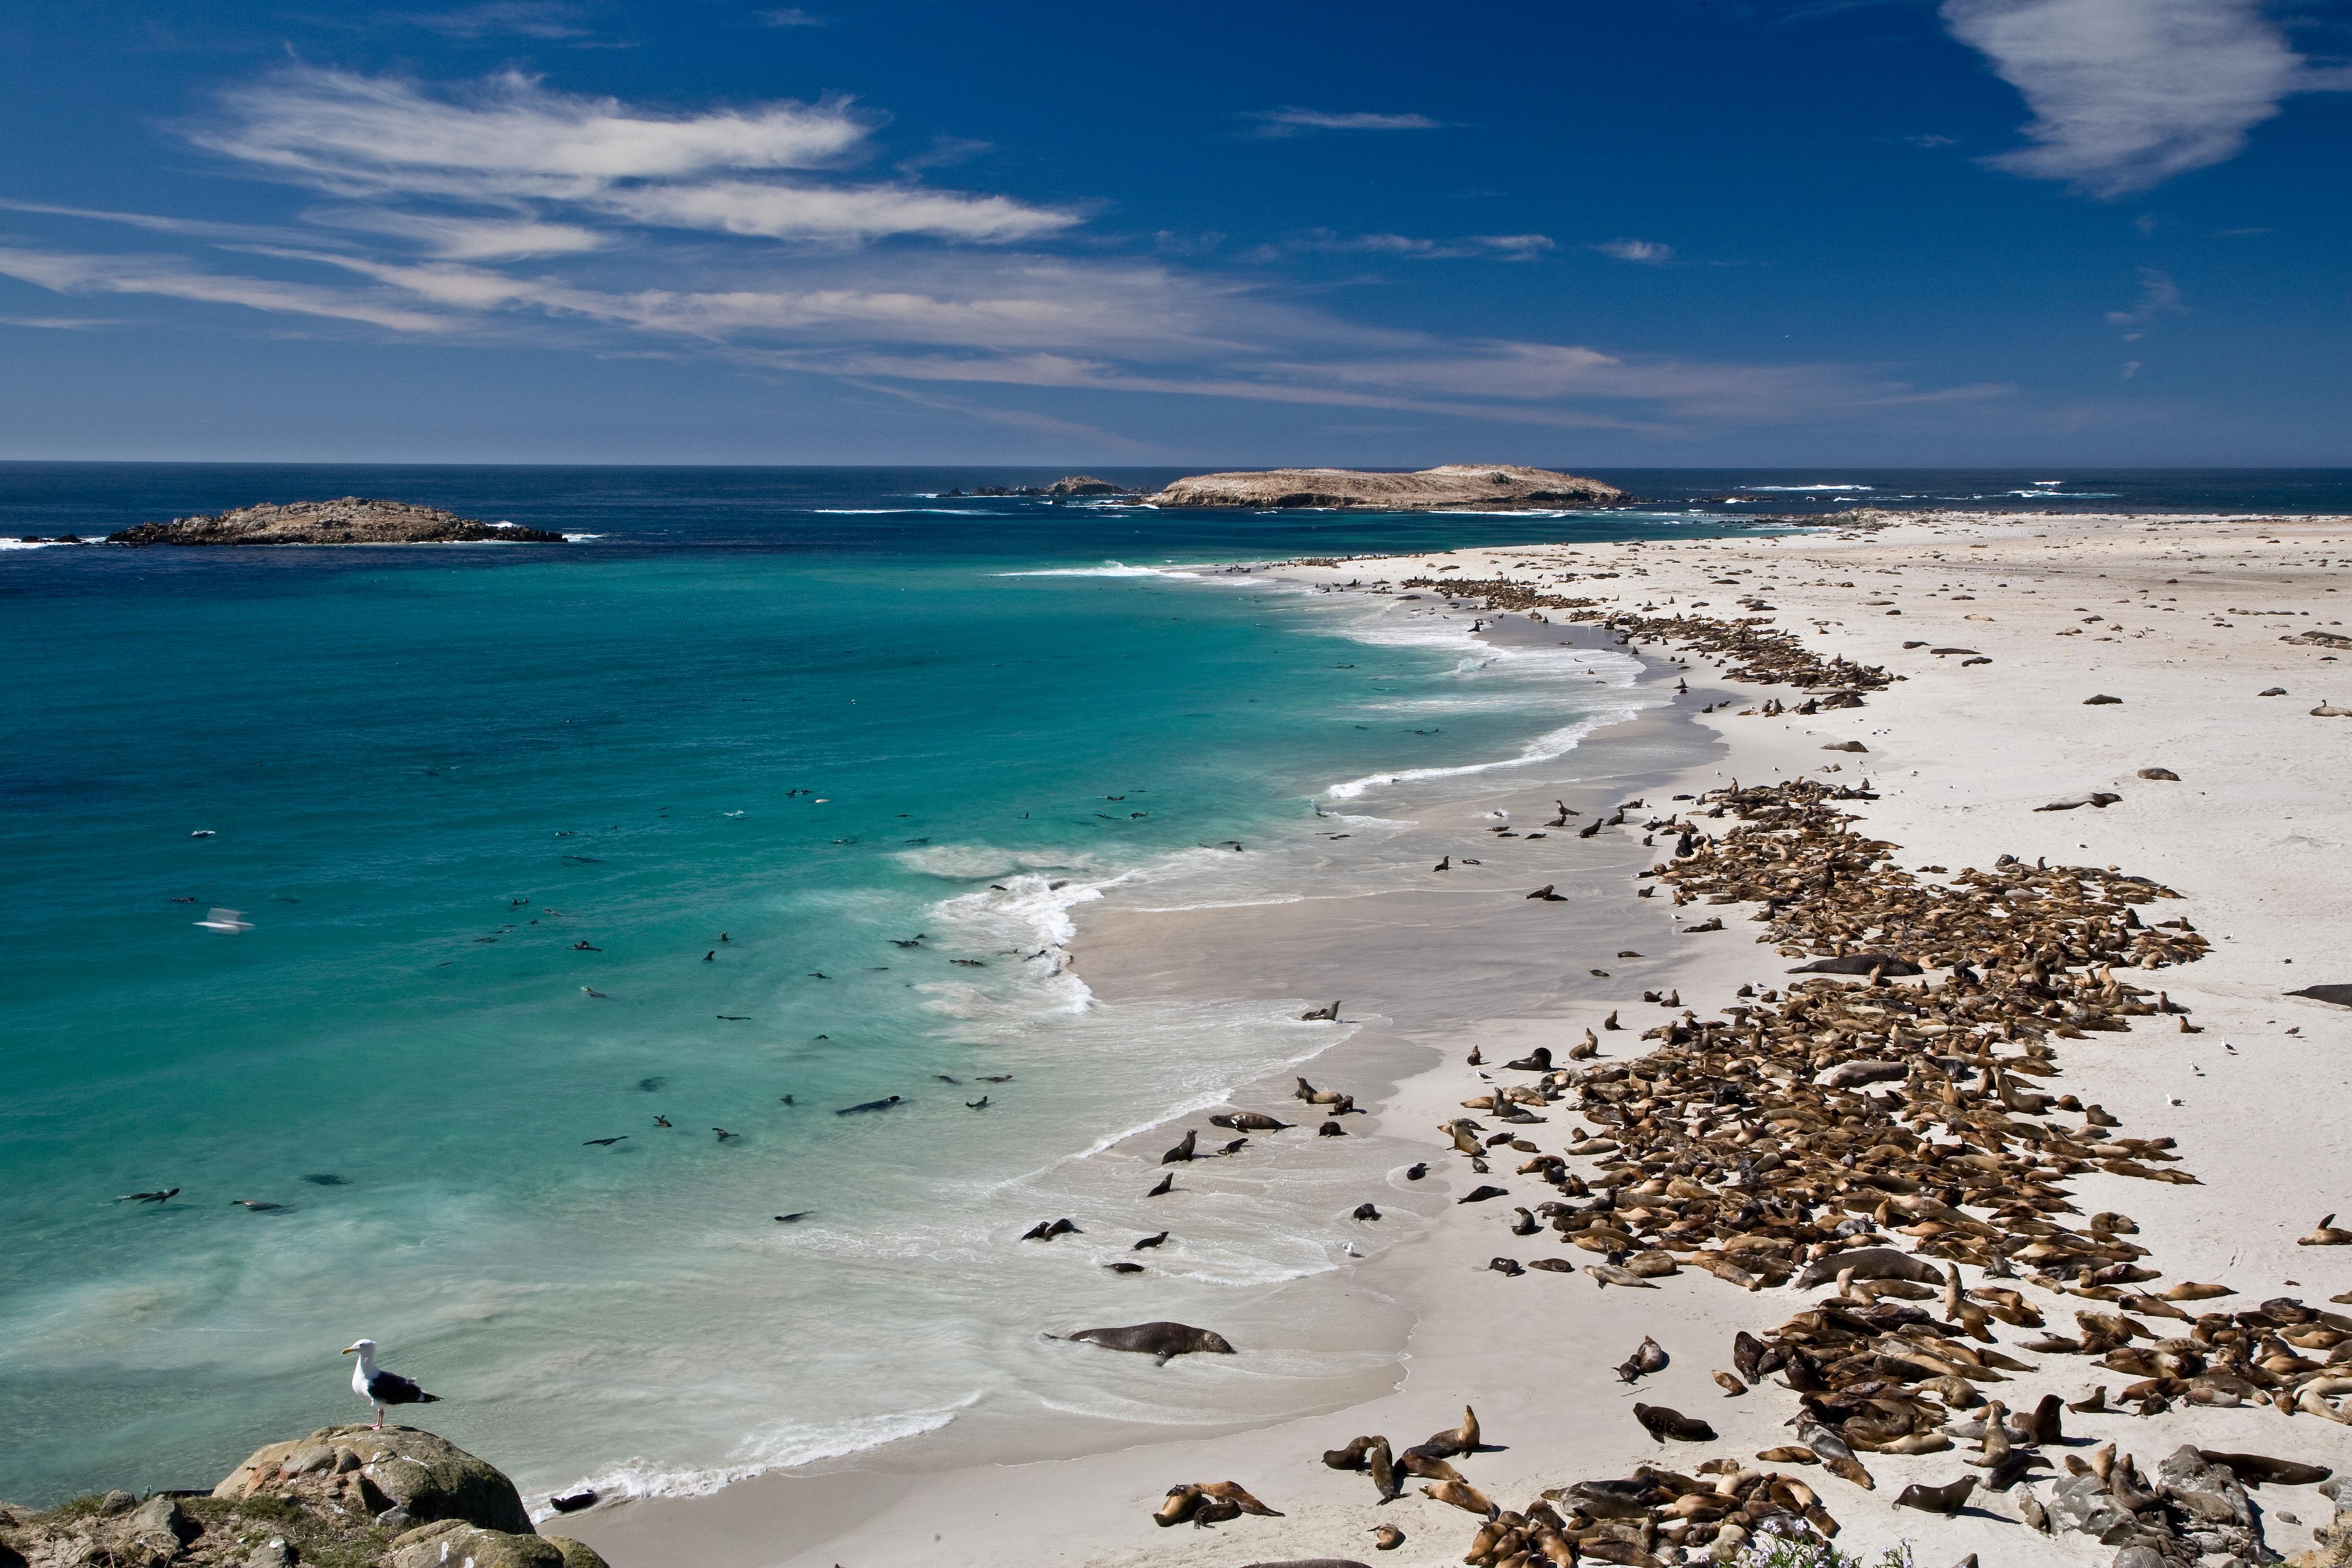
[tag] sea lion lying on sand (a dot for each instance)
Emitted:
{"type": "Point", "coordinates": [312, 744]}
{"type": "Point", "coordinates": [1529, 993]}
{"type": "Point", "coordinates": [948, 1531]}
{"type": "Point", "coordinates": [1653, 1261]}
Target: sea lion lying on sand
{"type": "Point", "coordinates": [1162, 1339]}
{"type": "Point", "coordinates": [1858, 964]}
{"type": "Point", "coordinates": [1870, 1263]}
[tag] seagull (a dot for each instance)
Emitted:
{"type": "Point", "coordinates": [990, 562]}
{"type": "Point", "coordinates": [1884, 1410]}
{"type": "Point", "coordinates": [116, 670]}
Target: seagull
{"type": "Point", "coordinates": [381, 1388]}
{"type": "Point", "coordinates": [229, 920]}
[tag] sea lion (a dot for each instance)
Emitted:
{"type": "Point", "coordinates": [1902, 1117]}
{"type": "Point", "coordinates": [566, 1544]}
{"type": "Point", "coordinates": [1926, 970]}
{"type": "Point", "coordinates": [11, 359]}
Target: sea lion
{"type": "Point", "coordinates": [1249, 1121]}
{"type": "Point", "coordinates": [1479, 1195]}
{"type": "Point", "coordinates": [1510, 1268]}
{"type": "Point", "coordinates": [1046, 1230]}
{"type": "Point", "coordinates": [1662, 1424]}
{"type": "Point", "coordinates": [1321, 1014]}
{"type": "Point", "coordinates": [1183, 1152]}
{"type": "Point", "coordinates": [1526, 1223]}
{"type": "Point", "coordinates": [1380, 1462]}
{"type": "Point", "coordinates": [1946, 1499]}
{"type": "Point", "coordinates": [2339, 994]}
{"type": "Point", "coordinates": [1330, 1129]}
{"type": "Point", "coordinates": [2327, 1232]}
{"type": "Point", "coordinates": [1124, 1268]}
{"type": "Point", "coordinates": [1354, 1456]}
{"type": "Point", "coordinates": [1610, 1274]}
{"type": "Point", "coordinates": [1167, 1184]}
{"type": "Point", "coordinates": [1366, 1211]}
{"type": "Point", "coordinates": [1387, 1538]}
{"type": "Point", "coordinates": [2254, 1469]}
{"type": "Point", "coordinates": [1537, 1060]}
{"type": "Point", "coordinates": [1858, 964]}
{"type": "Point", "coordinates": [1162, 1340]}
{"type": "Point", "coordinates": [1649, 1356]}
{"type": "Point", "coordinates": [1732, 1387]}
{"type": "Point", "coordinates": [1870, 1263]}
{"type": "Point", "coordinates": [1460, 1494]}
{"type": "Point", "coordinates": [1416, 1171]}
{"type": "Point", "coordinates": [1148, 1241]}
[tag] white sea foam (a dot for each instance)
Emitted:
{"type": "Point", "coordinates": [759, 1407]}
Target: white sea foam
{"type": "Point", "coordinates": [1107, 569]}
{"type": "Point", "coordinates": [31, 543]}
{"type": "Point", "coordinates": [776, 1447]}
{"type": "Point", "coordinates": [1543, 749]}
{"type": "Point", "coordinates": [977, 862]}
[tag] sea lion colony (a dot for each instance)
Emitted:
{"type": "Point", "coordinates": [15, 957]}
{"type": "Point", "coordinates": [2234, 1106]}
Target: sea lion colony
{"type": "Point", "coordinates": [1798, 1135]}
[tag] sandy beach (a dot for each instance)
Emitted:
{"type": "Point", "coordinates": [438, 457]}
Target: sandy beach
{"type": "Point", "coordinates": [1994, 632]}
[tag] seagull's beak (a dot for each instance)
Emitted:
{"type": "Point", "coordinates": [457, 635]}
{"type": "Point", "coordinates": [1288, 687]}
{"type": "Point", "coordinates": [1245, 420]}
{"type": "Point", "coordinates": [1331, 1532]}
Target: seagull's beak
{"type": "Point", "coordinates": [348, 1349]}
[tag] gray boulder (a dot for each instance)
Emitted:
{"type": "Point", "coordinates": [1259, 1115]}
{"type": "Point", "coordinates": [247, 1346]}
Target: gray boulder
{"type": "Point", "coordinates": [428, 1477]}
{"type": "Point", "coordinates": [2208, 1493]}
{"type": "Point", "coordinates": [452, 1541]}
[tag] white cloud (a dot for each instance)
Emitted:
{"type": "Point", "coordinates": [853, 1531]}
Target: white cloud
{"type": "Point", "coordinates": [69, 274]}
{"type": "Point", "coordinates": [2158, 296]}
{"type": "Point", "coordinates": [2131, 369]}
{"type": "Point", "coordinates": [1288, 122]}
{"type": "Point", "coordinates": [511, 143]}
{"type": "Point", "coordinates": [2128, 93]}
{"type": "Point", "coordinates": [791, 16]}
{"type": "Point", "coordinates": [523, 18]}
{"type": "Point", "coordinates": [467, 238]}
{"type": "Point", "coordinates": [1643, 250]}
{"type": "Point", "coordinates": [506, 211]}
{"type": "Point", "coordinates": [1490, 247]}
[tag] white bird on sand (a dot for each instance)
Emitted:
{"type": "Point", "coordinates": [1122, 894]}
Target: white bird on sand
{"type": "Point", "coordinates": [230, 921]}
{"type": "Point", "coordinates": [381, 1388]}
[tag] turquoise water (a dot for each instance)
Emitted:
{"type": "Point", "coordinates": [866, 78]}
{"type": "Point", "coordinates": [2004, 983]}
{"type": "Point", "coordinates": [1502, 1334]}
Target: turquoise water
{"type": "Point", "coordinates": [427, 776]}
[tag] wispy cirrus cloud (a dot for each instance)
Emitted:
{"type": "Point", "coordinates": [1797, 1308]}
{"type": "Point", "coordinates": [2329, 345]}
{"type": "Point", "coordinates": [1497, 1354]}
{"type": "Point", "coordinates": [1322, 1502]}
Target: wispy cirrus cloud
{"type": "Point", "coordinates": [1648, 251]}
{"type": "Point", "coordinates": [1485, 247]}
{"type": "Point", "coordinates": [791, 16]}
{"type": "Point", "coordinates": [1294, 122]}
{"type": "Point", "coordinates": [2128, 93]}
{"type": "Point", "coordinates": [511, 142]}
{"type": "Point", "coordinates": [2158, 296]}
{"type": "Point", "coordinates": [504, 211]}
{"type": "Point", "coordinates": [549, 19]}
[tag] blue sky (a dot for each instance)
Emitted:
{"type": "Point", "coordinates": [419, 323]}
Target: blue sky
{"type": "Point", "coordinates": [1581, 232]}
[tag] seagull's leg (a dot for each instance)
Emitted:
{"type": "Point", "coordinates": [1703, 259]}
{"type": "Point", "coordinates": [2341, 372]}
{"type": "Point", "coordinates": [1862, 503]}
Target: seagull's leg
{"type": "Point", "coordinates": [379, 1418]}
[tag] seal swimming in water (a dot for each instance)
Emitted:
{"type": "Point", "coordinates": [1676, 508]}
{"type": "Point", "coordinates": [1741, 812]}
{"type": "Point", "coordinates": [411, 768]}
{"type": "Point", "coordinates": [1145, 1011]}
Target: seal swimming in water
{"type": "Point", "coordinates": [1160, 1339]}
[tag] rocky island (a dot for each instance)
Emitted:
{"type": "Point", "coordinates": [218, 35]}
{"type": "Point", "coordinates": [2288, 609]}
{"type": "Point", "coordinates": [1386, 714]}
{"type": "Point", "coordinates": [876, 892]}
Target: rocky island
{"type": "Point", "coordinates": [349, 1496]}
{"type": "Point", "coordinates": [353, 520]}
{"type": "Point", "coordinates": [1071, 484]}
{"type": "Point", "coordinates": [1454, 487]}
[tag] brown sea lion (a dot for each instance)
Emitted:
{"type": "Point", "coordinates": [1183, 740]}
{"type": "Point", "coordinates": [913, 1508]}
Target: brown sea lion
{"type": "Point", "coordinates": [1183, 1152]}
{"type": "Point", "coordinates": [1661, 1423]}
{"type": "Point", "coordinates": [1944, 1499]}
{"type": "Point", "coordinates": [1162, 1339]}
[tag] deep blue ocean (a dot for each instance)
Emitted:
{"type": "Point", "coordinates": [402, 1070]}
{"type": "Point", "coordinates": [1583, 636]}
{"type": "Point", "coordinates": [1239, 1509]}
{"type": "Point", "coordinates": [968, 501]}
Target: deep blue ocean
{"type": "Point", "coordinates": [770, 782]}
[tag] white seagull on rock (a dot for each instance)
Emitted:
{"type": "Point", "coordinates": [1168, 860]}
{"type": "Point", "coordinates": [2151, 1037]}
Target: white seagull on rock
{"type": "Point", "coordinates": [380, 1388]}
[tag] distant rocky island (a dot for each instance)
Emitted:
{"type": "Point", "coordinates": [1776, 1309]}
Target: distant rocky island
{"type": "Point", "coordinates": [1075, 485]}
{"type": "Point", "coordinates": [353, 520]}
{"type": "Point", "coordinates": [1454, 487]}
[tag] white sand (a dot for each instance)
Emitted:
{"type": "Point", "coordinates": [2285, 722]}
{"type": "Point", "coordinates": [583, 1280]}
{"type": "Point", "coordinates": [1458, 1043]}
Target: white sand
{"type": "Point", "coordinates": [2190, 619]}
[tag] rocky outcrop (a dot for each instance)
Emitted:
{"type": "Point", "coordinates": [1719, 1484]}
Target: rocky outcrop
{"type": "Point", "coordinates": [349, 520]}
{"type": "Point", "coordinates": [1455, 487]}
{"type": "Point", "coordinates": [400, 1497]}
{"type": "Point", "coordinates": [423, 1476]}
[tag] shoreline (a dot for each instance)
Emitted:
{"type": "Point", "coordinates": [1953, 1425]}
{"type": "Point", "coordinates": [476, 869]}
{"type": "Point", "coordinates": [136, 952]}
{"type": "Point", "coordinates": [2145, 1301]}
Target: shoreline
{"type": "Point", "coordinates": [1941, 726]}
